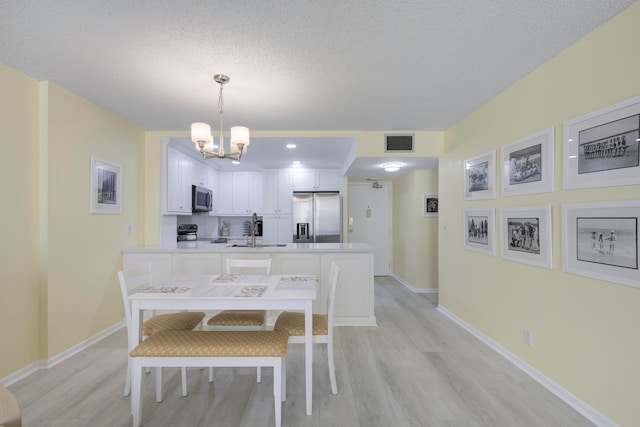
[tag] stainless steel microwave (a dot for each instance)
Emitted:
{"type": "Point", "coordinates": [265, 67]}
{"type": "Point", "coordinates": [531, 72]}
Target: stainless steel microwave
{"type": "Point", "coordinates": [201, 199]}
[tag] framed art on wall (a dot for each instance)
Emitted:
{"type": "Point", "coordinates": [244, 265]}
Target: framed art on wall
{"type": "Point", "coordinates": [601, 147]}
{"type": "Point", "coordinates": [480, 176]}
{"type": "Point", "coordinates": [479, 230]}
{"type": "Point", "coordinates": [600, 240]}
{"type": "Point", "coordinates": [430, 205]}
{"type": "Point", "coordinates": [527, 164]}
{"type": "Point", "coordinates": [525, 235]}
{"type": "Point", "coordinates": [106, 187]}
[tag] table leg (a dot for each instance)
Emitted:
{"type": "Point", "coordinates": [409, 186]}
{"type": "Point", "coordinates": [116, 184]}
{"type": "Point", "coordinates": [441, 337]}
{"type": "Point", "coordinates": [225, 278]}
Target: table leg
{"type": "Point", "coordinates": [308, 352]}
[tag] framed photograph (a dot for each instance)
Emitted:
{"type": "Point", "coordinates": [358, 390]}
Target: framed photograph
{"type": "Point", "coordinates": [601, 147]}
{"type": "Point", "coordinates": [601, 241]}
{"type": "Point", "coordinates": [525, 235]}
{"type": "Point", "coordinates": [527, 164]}
{"type": "Point", "coordinates": [430, 205]}
{"type": "Point", "coordinates": [478, 230]}
{"type": "Point", "coordinates": [106, 187]}
{"type": "Point", "coordinates": [480, 177]}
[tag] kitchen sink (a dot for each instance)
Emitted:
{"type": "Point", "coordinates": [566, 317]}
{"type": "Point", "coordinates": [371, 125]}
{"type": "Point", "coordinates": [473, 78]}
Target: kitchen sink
{"type": "Point", "coordinates": [272, 245]}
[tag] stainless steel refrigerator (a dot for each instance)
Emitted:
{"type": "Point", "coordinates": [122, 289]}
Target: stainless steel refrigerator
{"type": "Point", "coordinates": [317, 217]}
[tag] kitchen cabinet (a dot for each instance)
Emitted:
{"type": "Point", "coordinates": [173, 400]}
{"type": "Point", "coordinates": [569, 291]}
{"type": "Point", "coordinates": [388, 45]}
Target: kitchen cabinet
{"type": "Point", "coordinates": [194, 263]}
{"type": "Point", "coordinates": [240, 193]}
{"type": "Point", "coordinates": [178, 182]}
{"type": "Point", "coordinates": [200, 174]}
{"type": "Point", "coordinates": [354, 303]}
{"type": "Point", "coordinates": [215, 187]}
{"type": "Point", "coordinates": [277, 229]}
{"type": "Point", "coordinates": [317, 180]}
{"type": "Point", "coordinates": [277, 191]}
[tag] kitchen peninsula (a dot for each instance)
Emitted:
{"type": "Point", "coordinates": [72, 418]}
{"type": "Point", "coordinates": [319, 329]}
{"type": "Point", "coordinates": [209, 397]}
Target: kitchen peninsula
{"type": "Point", "coordinates": [354, 294]}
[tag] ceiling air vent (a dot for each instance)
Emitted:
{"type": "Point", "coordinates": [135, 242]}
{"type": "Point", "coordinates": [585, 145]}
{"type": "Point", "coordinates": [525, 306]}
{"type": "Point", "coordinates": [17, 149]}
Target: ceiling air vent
{"type": "Point", "coordinates": [398, 142]}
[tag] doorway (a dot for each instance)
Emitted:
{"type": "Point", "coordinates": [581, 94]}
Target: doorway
{"type": "Point", "coordinates": [370, 221]}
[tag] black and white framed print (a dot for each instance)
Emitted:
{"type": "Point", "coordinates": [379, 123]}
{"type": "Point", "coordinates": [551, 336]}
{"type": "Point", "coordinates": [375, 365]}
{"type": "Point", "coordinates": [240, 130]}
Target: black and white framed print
{"type": "Point", "coordinates": [601, 147]}
{"type": "Point", "coordinates": [527, 164]}
{"type": "Point", "coordinates": [479, 230]}
{"type": "Point", "coordinates": [525, 235]}
{"type": "Point", "coordinates": [480, 176]}
{"type": "Point", "coordinates": [106, 187]}
{"type": "Point", "coordinates": [430, 205]}
{"type": "Point", "coordinates": [600, 240]}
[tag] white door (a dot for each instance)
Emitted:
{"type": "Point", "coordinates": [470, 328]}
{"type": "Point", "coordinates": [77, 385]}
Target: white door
{"type": "Point", "coordinates": [370, 212]}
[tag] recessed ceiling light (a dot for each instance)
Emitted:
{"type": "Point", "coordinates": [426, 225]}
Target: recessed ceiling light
{"type": "Point", "coordinates": [296, 162]}
{"type": "Point", "coordinates": [391, 167]}
{"type": "Point", "coordinates": [291, 146]}
{"type": "Point", "coordinates": [235, 162]}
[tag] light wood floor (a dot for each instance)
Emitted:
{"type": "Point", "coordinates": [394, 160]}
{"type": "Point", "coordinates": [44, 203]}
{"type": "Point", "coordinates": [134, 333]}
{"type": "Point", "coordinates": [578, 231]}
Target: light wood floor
{"type": "Point", "coordinates": [416, 368]}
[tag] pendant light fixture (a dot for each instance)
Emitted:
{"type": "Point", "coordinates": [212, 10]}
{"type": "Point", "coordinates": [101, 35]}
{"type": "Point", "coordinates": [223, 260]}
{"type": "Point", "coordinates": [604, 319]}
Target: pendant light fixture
{"type": "Point", "coordinates": [203, 139]}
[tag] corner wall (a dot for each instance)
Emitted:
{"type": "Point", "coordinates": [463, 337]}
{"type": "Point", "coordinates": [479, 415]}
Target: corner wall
{"type": "Point", "coordinates": [415, 237]}
{"type": "Point", "coordinates": [585, 334]}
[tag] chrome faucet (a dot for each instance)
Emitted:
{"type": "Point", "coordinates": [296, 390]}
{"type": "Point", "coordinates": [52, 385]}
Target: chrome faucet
{"type": "Point", "coordinates": [254, 225]}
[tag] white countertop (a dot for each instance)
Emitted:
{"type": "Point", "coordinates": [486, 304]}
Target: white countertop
{"type": "Point", "coordinates": [207, 246]}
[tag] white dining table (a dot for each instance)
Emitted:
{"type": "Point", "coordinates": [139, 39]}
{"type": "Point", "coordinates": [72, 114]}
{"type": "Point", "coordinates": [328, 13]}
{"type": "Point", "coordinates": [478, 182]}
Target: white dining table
{"type": "Point", "coordinates": [231, 292]}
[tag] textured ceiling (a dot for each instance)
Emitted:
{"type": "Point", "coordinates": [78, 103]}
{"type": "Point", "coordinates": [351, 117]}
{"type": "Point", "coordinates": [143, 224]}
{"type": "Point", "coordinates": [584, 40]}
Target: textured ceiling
{"type": "Point", "coordinates": [294, 64]}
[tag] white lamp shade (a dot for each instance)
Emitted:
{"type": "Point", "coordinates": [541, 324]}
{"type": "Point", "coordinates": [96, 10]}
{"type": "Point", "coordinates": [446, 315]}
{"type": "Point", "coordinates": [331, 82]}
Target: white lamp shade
{"type": "Point", "coordinates": [200, 132]}
{"type": "Point", "coordinates": [239, 135]}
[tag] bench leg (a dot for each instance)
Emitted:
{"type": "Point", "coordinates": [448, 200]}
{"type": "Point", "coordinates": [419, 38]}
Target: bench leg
{"type": "Point", "coordinates": [277, 391]}
{"type": "Point", "coordinates": [259, 375]}
{"type": "Point", "coordinates": [284, 378]}
{"type": "Point", "coordinates": [158, 385]}
{"type": "Point", "coordinates": [136, 391]}
{"type": "Point", "coordinates": [183, 374]}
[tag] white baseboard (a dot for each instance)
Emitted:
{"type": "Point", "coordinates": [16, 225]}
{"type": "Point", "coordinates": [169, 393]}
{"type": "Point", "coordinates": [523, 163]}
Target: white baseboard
{"type": "Point", "coordinates": [46, 364]}
{"type": "Point", "coordinates": [413, 288]}
{"type": "Point", "coordinates": [587, 411]}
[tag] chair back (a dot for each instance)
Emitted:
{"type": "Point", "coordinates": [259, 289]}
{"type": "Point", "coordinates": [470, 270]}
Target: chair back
{"type": "Point", "coordinates": [334, 275]}
{"type": "Point", "coordinates": [248, 266]}
{"type": "Point", "coordinates": [130, 281]}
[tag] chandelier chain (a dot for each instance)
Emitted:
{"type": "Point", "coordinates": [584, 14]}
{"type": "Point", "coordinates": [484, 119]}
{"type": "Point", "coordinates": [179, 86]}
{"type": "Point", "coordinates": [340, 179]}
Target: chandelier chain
{"type": "Point", "coordinates": [221, 115]}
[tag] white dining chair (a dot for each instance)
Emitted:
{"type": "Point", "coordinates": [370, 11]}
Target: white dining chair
{"type": "Point", "coordinates": [134, 280]}
{"type": "Point", "coordinates": [293, 323]}
{"type": "Point", "coordinates": [242, 320]}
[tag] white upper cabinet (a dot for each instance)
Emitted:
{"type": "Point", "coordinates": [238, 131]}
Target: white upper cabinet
{"type": "Point", "coordinates": [240, 193]}
{"type": "Point", "coordinates": [200, 174]}
{"type": "Point", "coordinates": [316, 180]}
{"type": "Point", "coordinates": [178, 182]}
{"type": "Point", "coordinates": [277, 191]}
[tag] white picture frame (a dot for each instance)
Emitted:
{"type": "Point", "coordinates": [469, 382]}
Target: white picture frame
{"type": "Point", "coordinates": [106, 187]}
{"type": "Point", "coordinates": [600, 240]}
{"type": "Point", "coordinates": [478, 230]}
{"type": "Point", "coordinates": [430, 205]}
{"type": "Point", "coordinates": [525, 235]}
{"type": "Point", "coordinates": [600, 148]}
{"type": "Point", "coordinates": [480, 176]}
{"type": "Point", "coordinates": [527, 164]}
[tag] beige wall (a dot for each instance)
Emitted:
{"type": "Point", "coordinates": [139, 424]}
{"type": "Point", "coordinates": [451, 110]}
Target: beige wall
{"type": "Point", "coordinates": [415, 237]}
{"type": "Point", "coordinates": [58, 280]}
{"type": "Point", "coordinates": [19, 278]}
{"type": "Point", "coordinates": [585, 334]}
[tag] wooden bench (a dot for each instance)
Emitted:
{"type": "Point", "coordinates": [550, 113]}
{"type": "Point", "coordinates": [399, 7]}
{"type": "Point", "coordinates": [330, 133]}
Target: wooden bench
{"type": "Point", "coordinates": [210, 349]}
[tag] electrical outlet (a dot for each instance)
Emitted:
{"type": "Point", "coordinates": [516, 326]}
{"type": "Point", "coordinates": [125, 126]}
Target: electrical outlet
{"type": "Point", "coordinates": [129, 228]}
{"type": "Point", "coordinates": [528, 338]}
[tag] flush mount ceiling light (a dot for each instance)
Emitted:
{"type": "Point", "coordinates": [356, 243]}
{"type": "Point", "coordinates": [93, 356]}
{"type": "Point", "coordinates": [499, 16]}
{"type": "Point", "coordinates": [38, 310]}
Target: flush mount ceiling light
{"type": "Point", "coordinates": [203, 139]}
{"type": "Point", "coordinates": [391, 167]}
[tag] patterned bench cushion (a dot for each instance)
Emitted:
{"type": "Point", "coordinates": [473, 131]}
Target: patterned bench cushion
{"type": "Point", "coordinates": [213, 344]}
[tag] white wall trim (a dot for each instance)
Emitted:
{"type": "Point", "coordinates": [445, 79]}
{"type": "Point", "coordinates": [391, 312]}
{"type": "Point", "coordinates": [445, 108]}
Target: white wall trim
{"type": "Point", "coordinates": [46, 364]}
{"type": "Point", "coordinates": [413, 288]}
{"type": "Point", "coordinates": [587, 411]}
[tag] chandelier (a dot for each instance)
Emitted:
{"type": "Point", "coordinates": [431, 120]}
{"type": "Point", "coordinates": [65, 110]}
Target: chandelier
{"type": "Point", "coordinates": [203, 139]}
